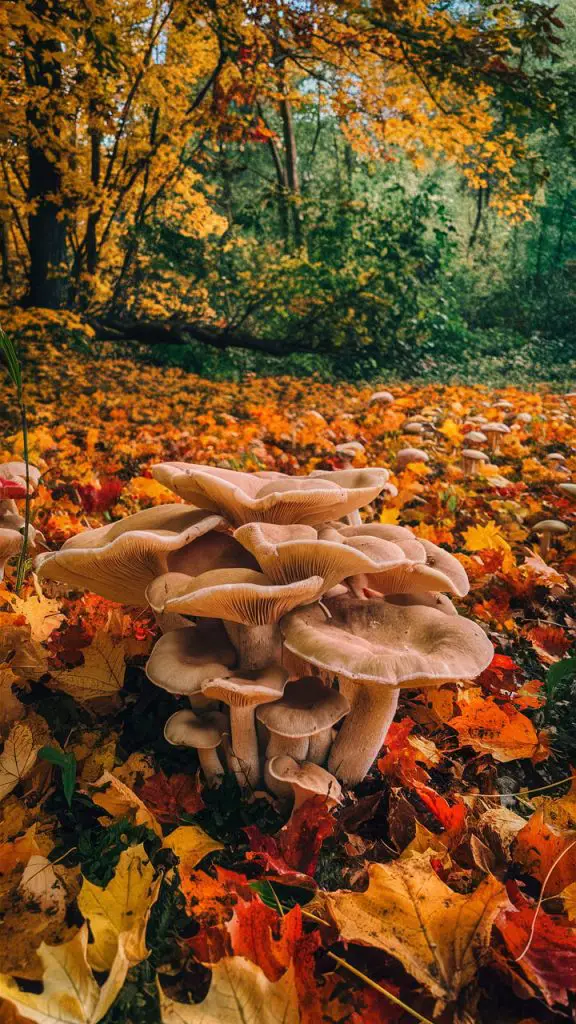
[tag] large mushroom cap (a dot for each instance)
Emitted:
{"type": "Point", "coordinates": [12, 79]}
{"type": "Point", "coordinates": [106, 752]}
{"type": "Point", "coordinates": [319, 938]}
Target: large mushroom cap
{"type": "Point", "coordinates": [185, 729]}
{"type": "Point", "coordinates": [401, 536]}
{"type": "Point", "coordinates": [286, 554]}
{"type": "Point", "coordinates": [183, 659]}
{"type": "Point", "coordinates": [237, 595]}
{"type": "Point", "coordinates": [119, 561]}
{"type": "Point", "coordinates": [378, 641]}
{"type": "Point", "coordinates": [275, 498]}
{"type": "Point", "coordinates": [250, 689]}
{"type": "Point", "coordinates": [307, 708]}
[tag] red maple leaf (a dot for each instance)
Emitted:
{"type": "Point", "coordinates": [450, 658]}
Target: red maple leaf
{"type": "Point", "coordinates": [170, 798]}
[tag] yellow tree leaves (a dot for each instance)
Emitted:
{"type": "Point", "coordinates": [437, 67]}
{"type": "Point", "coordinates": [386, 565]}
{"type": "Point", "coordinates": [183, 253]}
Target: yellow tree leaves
{"type": "Point", "coordinates": [439, 936]}
{"type": "Point", "coordinates": [239, 993]}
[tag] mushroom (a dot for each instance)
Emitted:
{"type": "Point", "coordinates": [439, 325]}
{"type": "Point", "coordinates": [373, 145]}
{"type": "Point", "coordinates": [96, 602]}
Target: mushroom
{"type": "Point", "coordinates": [476, 437]}
{"type": "Point", "coordinates": [381, 398]}
{"type": "Point", "coordinates": [272, 497]}
{"type": "Point", "coordinates": [306, 780]}
{"type": "Point", "coordinates": [301, 723]}
{"type": "Point", "coordinates": [413, 427]}
{"type": "Point", "coordinates": [569, 489]}
{"type": "Point", "coordinates": [494, 432]}
{"type": "Point", "coordinates": [547, 529]}
{"type": "Point", "coordinates": [290, 553]}
{"type": "Point", "coordinates": [347, 452]}
{"type": "Point", "coordinates": [17, 471]}
{"type": "Point", "coordinates": [183, 659]}
{"type": "Point", "coordinates": [185, 729]}
{"type": "Point", "coordinates": [406, 455]}
{"type": "Point", "coordinates": [243, 694]}
{"type": "Point", "coordinates": [556, 458]}
{"type": "Point", "coordinates": [375, 647]}
{"type": "Point", "coordinates": [524, 417]}
{"type": "Point", "coordinates": [471, 459]}
{"type": "Point", "coordinates": [248, 602]}
{"type": "Point", "coordinates": [119, 561]}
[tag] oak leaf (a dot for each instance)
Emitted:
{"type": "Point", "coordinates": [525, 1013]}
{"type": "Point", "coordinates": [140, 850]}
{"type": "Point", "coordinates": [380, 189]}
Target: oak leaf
{"type": "Point", "coordinates": [438, 935]}
{"type": "Point", "coordinates": [239, 993]}
{"type": "Point", "coordinates": [123, 907]}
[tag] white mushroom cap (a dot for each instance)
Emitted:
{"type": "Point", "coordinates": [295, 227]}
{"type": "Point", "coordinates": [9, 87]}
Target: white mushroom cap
{"type": "Point", "coordinates": [473, 455]}
{"type": "Point", "coordinates": [307, 708]}
{"type": "Point", "coordinates": [250, 689]}
{"type": "Point", "coordinates": [476, 436]}
{"type": "Point", "coordinates": [185, 729]}
{"type": "Point", "coordinates": [10, 544]}
{"type": "Point", "coordinates": [496, 428]}
{"type": "Point", "coordinates": [306, 779]}
{"type": "Point", "coordinates": [550, 526]}
{"type": "Point", "coordinates": [381, 398]}
{"type": "Point", "coordinates": [406, 455]}
{"type": "Point", "coordinates": [183, 659]}
{"type": "Point", "coordinates": [569, 489]}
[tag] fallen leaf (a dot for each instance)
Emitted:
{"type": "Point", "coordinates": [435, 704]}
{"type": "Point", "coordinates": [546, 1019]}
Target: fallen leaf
{"type": "Point", "coordinates": [502, 731]}
{"type": "Point", "coordinates": [239, 993]}
{"type": "Point", "coordinates": [119, 801]}
{"type": "Point", "coordinates": [438, 935]}
{"type": "Point", "coordinates": [268, 940]}
{"type": "Point", "coordinates": [18, 757]}
{"type": "Point", "coordinates": [190, 844]}
{"type": "Point", "coordinates": [171, 797]}
{"type": "Point", "coordinates": [100, 675]}
{"type": "Point", "coordinates": [42, 614]}
{"type": "Point", "coordinates": [485, 538]}
{"type": "Point", "coordinates": [70, 992]}
{"type": "Point", "coordinates": [11, 710]}
{"type": "Point", "coordinates": [122, 907]}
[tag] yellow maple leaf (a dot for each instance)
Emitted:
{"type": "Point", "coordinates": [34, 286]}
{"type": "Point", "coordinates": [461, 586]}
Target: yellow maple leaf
{"type": "Point", "coordinates": [190, 844]}
{"type": "Point", "coordinates": [123, 906]}
{"type": "Point", "coordinates": [389, 516]}
{"type": "Point", "coordinates": [43, 614]}
{"type": "Point", "coordinates": [485, 538]}
{"type": "Point", "coordinates": [102, 673]}
{"type": "Point", "coordinates": [239, 993]}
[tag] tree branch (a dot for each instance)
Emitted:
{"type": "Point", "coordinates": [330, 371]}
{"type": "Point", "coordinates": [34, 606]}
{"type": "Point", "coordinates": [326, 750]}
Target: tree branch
{"type": "Point", "coordinates": [173, 332]}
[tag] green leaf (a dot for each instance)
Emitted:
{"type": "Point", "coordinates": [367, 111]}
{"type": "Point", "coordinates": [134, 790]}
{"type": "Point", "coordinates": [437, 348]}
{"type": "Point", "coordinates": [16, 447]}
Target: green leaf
{"type": "Point", "coordinates": [67, 765]}
{"type": "Point", "coordinates": [558, 674]}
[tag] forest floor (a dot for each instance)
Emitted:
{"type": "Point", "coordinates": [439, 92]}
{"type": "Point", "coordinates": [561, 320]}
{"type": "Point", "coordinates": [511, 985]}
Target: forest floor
{"type": "Point", "coordinates": [443, 889]}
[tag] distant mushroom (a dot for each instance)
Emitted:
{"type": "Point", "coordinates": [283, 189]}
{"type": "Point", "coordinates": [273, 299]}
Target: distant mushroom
{"type": "Point", "coordinates": [300, 724]}
{"type": "Point", "coordinates": [471, 460]}
{"type": "Point", "coordinates": [413, 427]}
{"type": "Point", "coordinates": [568, 489]}
{"type": "Point", "coordinates": [381, 398]}
{"type": "Point", "coordinates": [306, 780]}
{"type": "Point", "coordinates": [495, 431]}
{"type": "Point", "coordinates": [406, 455]}
{"type": "Point", "coordinates": [243, 694]}
{"type": "Point", "coordinates": [375, 647]}
{"type": "Point", "coordinates": [476, 437]}
{"type": "Point", "coordinates": [185, 729]}
{"type": "Point", "coordinates": [347, 452]}
{"type": "Point", "coordinates": [547, 529]}
{"type": "Point", "coordinates": [524, 417]}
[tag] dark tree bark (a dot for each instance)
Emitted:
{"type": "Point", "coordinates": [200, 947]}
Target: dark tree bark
{"type": "Point", "coordinates": [47, 285]}
{"type": "Point", "coordinates": [173, 332]}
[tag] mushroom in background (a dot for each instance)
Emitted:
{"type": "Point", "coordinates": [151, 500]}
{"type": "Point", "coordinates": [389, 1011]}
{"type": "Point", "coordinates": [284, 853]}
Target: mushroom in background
{"type": "Point", "coordinates": [569, 490]}
{"type": "Point", "coordinates": [381, 398]}
{"type": "Point", "coordinates": [407, 455]}
{"type": "Point", "coordinates": [471, 460]}
{"type": "Point", "coordinates": [185, 729]}
{"type": "Point", "coordinates": [547, 529]}
{"type": "Point", "coordinates": [495, 431]}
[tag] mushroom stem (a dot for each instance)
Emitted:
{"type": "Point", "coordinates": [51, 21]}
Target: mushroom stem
{"type": "Point", "coordinates": [244, 754]}
{"type": "Point", "coordinates": [211, 766]}
{"type": "Point", "coordinates": [319, 746]}
{"type": "Point", "coordinates": [545, 539]}
{"type": "Point", "coordinates": [294, 746]}
{"type": "Point", "coordinates": [354, 518]}
{"type": "Point", "coordinates": [256, 646]}
{"type": "Point", "coordinates": [361, 737]}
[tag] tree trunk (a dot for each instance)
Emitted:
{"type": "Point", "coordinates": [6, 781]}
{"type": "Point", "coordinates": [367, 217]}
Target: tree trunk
{"type": "Point", "coordinates": [292, 175]}
{"type": "Point", "coordinates": [47, 284]}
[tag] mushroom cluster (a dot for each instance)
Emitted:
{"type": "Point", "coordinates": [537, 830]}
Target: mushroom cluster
{"type": "Point", "coordinates": [289, 625]}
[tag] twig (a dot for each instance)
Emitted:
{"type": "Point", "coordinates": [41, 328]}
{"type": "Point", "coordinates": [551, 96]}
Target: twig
{"type": "Point", "coordinates": [539, 904]}
{"type": "Point", "coordinates": [379, 988]}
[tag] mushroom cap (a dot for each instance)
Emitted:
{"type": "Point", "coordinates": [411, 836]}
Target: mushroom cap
{"type": "Point", "coordinates": [183, 659]}
{"type": "Point", "coordinates": [237, 595]}
{"type": "Point", "coordinates": [473, 455]}
{"type": "Point", "coordinates": [286, 555]}
{"type": "Point", "coordinates": [250, 689]}
{"type": "Point", "coordinates": [350, 448]}
{"type": "Point", "coordinates": [17, 471]}
{"type": "Point", "coordinates": [569, 489]}
{"type": "Point", "coordinates": [305, 776]}
{"type": "Point", "coordinates": [496, 428]}
{"type": "Point", "coordinates": [382, 397]}
{"type": "Point", "coordinates": [550, 526]}
{"type": "Point", "coordinates": [382, 642]}
{"type": "Point", "coordinates": [401, 536]}
{"type": "Point", "coordinates": [406, 455]}
{"type": "Point", "coordinates": [273, 497]}
{"type": "Point", "coordinates": [119, 561]}
{"type": "Point", "coordinates": [476, 436]}
{"type": "Point", "coordinates": [185, 729]}
{"type": "Point", "coordinates": [307, 708]}
{"type": "Point", "coordinates": [555, 457]}
{"type": "Point", "coordinates": [524, 417]}
{"type": "Point", "coordinates": [442, 572]}
{"type": "Point", "coordinates": [413, 428]}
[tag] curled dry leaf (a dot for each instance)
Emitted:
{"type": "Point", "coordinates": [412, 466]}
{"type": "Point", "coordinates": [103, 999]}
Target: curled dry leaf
{"type": "Point", "coordinates": [18, 757]}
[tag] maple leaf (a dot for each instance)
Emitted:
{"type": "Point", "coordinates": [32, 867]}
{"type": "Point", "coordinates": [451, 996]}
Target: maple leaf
{"type": "Point", "coordinates": [122, 907]}
{"type": "Point", "coordinates": [502, 731]}
{"type": "Point", "coordinates": [438, 935]}
{"type": "Point", "coordinates": [69, 990]}
{"type": "Point", "coordinates": [100, 675]}
{"type": "Point", "coordinates": [485, 538]}
{"type": "Point", "coordinates": [119, 801]}
{"type": "Point", "coordinates": [171, 797]}
{"type": "Point", "coordinates": [401, 758]}
{"type": "Point", "coordinates": [239, 993]}
{"type": "Point", "coordinates": [544, 846]}
{"type": "Point", "coordinates": [18, 757]}
{"type": "Point", "coordinates": [190, 844]}
{"type": "Point", "coordinates": [546, 945]}
{"type": "Point", "coordinates": [42, 614]}
{"type": "Point", "coordinates": [260, 934]}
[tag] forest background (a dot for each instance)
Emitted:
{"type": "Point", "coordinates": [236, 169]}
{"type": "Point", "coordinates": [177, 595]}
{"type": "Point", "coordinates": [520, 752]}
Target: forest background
{"type": "Point", "coordinates": [341, 189]}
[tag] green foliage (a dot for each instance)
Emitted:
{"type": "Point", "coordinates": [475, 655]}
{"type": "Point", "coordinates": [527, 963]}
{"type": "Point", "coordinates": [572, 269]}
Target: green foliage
{"type": "Point", "coordinates": [67, 765]}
